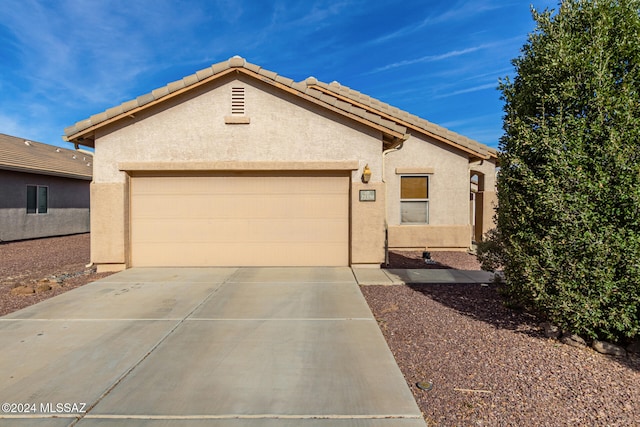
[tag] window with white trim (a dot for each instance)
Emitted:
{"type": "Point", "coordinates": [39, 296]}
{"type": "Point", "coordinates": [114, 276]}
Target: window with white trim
{"type": "Point", "coordinates": [414, 199]}
{"type": "Point", "coordinates": [37, 199]}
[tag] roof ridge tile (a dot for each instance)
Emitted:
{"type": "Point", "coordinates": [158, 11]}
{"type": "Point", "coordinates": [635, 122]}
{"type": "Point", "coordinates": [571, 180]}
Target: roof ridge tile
{"type": "Point", "coordinates": [190, 80]}
{"type": "Point", "coordinates": [175, 86]}
{"type": "Point", "coordinates": [252, 67]}
{"type": "Point", "coordinates": [219, 67]}
{"type": "Point", "coordinates": [145, 99]}
{"type": "Point", "coordinates": [284, 80]}
{"type": "Point", "coordinates": [204, 73]}
{"type": "Point", "coordinates": [160, 92]}
{"type": "Point", "coordinates": [268, 74]}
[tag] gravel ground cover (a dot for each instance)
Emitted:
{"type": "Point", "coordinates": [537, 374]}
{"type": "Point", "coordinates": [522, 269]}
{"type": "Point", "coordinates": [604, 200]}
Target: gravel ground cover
{"type": "Point", "coordinates": [492, 366]}
{"type": "Point", "coordinates": [443, 259]}
{"type": "Point", "coordinates": [489, 365]}
{"type": "Point", "coordinates": [55, 262]}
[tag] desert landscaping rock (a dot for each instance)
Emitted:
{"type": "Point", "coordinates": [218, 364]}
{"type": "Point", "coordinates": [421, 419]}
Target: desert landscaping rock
{"type": "Point", "coordinates": [573, 340]}
{"type": "Point", "coordinates": [22, 290]}
{"type": "Point", "coordinates": [608, 348]}
{"type": "Point", "coordinates": [43, 287]}
{"type": "Point", "coordinates": [550, 330]}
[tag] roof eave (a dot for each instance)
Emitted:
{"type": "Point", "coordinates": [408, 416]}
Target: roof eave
{"type": "Point", "coordinates": [86, 135]}
{"type": "Point", "coordinates": [80, 136]}
{"type": "Point", "coordinates": [404, 123]}
{"type": "Point", "coordinates": [45, 172]}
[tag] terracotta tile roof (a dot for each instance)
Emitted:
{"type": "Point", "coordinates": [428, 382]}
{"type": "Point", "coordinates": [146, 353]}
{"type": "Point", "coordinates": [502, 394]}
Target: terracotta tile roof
{"type": "Point", "coordinates": [412, 122]}
{"type": "Point", "coordinates": [334, 96]}
{"type": "Point", "coordinates": [18, 154]}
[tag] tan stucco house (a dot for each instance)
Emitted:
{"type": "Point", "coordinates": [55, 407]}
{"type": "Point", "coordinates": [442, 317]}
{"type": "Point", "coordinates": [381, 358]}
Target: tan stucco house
{"type": "Point", "coordinates": [44, 190]}
{"type": "Point", "coordinates": [236, 165]}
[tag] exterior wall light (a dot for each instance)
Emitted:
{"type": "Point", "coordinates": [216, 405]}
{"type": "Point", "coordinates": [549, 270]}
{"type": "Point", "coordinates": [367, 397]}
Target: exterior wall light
{"type": "Point", "coordinates": [366, 174]}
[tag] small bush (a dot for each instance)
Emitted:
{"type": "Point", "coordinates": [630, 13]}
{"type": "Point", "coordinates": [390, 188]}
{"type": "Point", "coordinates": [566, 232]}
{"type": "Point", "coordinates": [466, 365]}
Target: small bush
{"type": "Point", "coordinates": [490, 251]}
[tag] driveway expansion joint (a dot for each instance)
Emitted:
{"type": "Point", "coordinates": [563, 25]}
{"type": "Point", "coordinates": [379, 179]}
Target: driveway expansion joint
{"type": "Point", "coordinates": [146, 355]}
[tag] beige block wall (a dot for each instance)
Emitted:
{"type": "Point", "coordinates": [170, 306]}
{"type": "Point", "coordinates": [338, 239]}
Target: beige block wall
{"type": "Point", "coordinates": [367, 225]}
{"type": "Point", "coordinates": [282, 128]}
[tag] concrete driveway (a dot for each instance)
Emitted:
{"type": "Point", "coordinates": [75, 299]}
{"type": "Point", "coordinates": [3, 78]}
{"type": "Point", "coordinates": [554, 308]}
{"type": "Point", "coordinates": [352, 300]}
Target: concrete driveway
{"type": "Point", "coordinates": [203, 346]}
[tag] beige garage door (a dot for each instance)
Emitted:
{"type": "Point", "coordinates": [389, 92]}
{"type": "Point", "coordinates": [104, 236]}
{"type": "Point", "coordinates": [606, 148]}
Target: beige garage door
{"type": "Point", "coordinates": [240, 220]}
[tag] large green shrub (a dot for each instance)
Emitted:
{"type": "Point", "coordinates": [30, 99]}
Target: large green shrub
{"type": "Point", "coordinates": [569, 184]}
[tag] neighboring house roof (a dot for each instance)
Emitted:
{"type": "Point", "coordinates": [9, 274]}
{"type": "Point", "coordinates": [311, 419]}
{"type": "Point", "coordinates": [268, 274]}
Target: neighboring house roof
{"type": "Point", "coordinates": [392, 122]}
{"type": "Point", "coordinates": [18, 154]}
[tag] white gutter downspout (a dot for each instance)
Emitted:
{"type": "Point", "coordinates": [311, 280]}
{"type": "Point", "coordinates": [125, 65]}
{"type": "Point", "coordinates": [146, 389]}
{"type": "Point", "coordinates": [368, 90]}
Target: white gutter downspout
{"type": "Point", "coordinates": [386, 227]}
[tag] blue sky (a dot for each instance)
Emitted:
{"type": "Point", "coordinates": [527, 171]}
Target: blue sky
{"type": "Point", "coordinates": [62, 61]}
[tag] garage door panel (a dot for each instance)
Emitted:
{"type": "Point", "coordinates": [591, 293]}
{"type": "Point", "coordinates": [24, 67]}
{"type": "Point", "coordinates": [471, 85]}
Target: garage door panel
{"type": "Point", "coordinates": [258, 206]}
{"type": "Point", "coordinates": [219, 220]}
{"type": "Point", "coordinates": [229, 231]}
{"type": "Point", "coordinates": [188, 255]}
{"type": "Point", "coordinates": [243, 184]}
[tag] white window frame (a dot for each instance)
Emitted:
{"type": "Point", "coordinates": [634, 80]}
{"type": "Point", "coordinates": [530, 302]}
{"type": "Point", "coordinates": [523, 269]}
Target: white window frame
{"type": "Point", "coordinates": [426, 200]}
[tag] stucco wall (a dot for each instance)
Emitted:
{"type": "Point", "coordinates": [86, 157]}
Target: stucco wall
{"type": "Point", "coordinates": [282, 128]}
{"type": "Point", "coordinates": [449, 221]}
{"type": "Point", "coordinates": [68, 210]}
{"type": "Point", "coordinates": [192, 128]}
{"type": "Point", "coordinates": [367, 228]}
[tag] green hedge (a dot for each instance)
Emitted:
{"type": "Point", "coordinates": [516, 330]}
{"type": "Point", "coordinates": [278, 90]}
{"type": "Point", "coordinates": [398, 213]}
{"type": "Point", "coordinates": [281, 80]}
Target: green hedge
{"type": "Point", "coordinates": [569, 182]}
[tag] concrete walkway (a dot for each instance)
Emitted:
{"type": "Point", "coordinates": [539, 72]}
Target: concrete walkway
{"type": "Point", "coordinates": [203, 347]}
{"type": "Point", "coordinates": [376, 276]}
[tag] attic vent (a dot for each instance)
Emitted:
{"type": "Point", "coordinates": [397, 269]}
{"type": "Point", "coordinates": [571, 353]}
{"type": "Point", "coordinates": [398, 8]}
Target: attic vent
{"type": "Point", "coordinates": [238, 113]}
{"type": "Point", "coordinates": [27, 142]}
{"type": "Point", "coordinates": [237, 101]}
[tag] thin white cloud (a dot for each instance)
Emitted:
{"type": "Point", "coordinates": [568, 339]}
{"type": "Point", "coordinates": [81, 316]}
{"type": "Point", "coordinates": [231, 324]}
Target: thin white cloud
{"type": "Point", "coordinates": [431, 58]}
{"type": "Point", "coordinates": [478, 88]}
{"type": "Point", "coordinates": [468, 121]}
{"type": "Point", "coordinates": [468, 8]}
{"type": "Point", "coordinates": [459, 11]}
